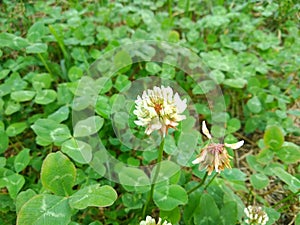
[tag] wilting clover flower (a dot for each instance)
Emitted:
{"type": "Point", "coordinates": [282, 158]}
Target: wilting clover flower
{"type": "Point", "coordinates": [159, 109]}
{"type": "Point", "coordinates": [215, 156]}
{"type": "Point", "coordinates": [255, 216]}
{"type": "Point", "coordinates": [150, 221]}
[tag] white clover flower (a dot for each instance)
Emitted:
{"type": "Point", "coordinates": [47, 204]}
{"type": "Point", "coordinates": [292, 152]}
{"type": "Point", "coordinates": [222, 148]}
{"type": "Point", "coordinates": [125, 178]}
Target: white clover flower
{"type": "Point", "coordinates": [214, 156]}
{"type": "Point", "coordinates": [151, 221]}
{"type": "Point", "coordinates": [255, 216]}
{"type": "Point", "coordinates": [158, 109]}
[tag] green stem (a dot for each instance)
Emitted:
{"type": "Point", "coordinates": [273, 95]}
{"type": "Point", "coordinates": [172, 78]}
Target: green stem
{"type": "Point", "coordinates": [206, 186]}
{"type": "Point", "coordinates": [286, 199]}
{"type": "Point", "coordinates": [249, 197]}
{"type": "Point", "coordinates": [45, 64]}
{"type": "Point", "coordinates": [187, 8]}
{"type": "Point", "coordinates": [199, 185]}
{"type": "Point", "coordinates": [61, 45]}
{"type": "Point", "coordinates": [170, 8]}
{"type": "Point", "coordinates": [159, 159]}
{"type": "Point", "coordinates": [59, 41]}
{"type": "Point", "coordinates": [202, 182]}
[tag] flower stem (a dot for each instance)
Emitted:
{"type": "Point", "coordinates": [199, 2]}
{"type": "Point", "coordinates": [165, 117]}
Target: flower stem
{"type": "Point", "coordinates": [159, 159]}
{"type": "Point", "coordinates": [59, 39]}
{"type": "Point", "coordinates": [206, 186]}
{"type": "Point", "coordinates": [199, 185]}
{"type": "Point", "coordinates": [170, 8]}
{"type": "Point", "coordinates": [286, 199]}
{"type": "Point", "coordinates": [187, 7]}
{"type": "Point", "coordinates": [202, 182]}
{"type": "Point", "coordinates": [45, 64]}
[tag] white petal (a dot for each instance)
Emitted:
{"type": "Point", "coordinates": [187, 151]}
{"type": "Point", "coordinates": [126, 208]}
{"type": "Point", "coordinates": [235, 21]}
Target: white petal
{"type": "Point", "coordinates": [259, 219]}
{"type": "Point", "coordinates": [168, 90]}
{"type": "Point", "coordinates": [151, 128]}
{"type": "Point", "coordinates": [251, 216]}
{"type": "Point", "coordinates": [173, 124]}
{"type": "Point", "coordinates": [197, 161]}
{"type": "Point", "coordinates": [152, 111]}
{"type": "Point", "coordinates": [139, 123]}
{"type": "Point", "coordinates": [180, 104]}
{"type": "Point", "coordinates": [148, 115]}
{"type": "Point", "coordinates": [266, 217]}
{"type": "Point", "coordinates": [144, 95]}
{"type": "Point", "coordinates": [246, 212]}
{"type": "Point", "coordinates": [159, 221]}
{"type": "Point", "coordinates": [205, 130]}
{"type": "Point", "coordinates": [180, 117]}
{"type": "Point", "coordinates": [149, 219]}
{"type": "Point", "coordinates": [148, 131]}
{"type": "Point", "coordinates": [154, 125]}
{"type": "Point", "coordinates": [235, 145]}
{"type": "Point", "coordinates": [217, 162]}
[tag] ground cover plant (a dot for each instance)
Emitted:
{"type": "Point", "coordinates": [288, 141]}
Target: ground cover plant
{"type": "Point", "coordinates": [149, 112]}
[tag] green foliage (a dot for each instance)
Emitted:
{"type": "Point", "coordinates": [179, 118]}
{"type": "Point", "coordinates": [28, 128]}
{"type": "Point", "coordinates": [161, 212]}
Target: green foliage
{"type": "Point", "coordinates": [93, 195]}
{"type": "Point", "coordinates": [79, 151]}
{"type": "Point", "coordinates": [259, 181]}
{"type": "Point", "coordinates": [134, 179]}
{"type": "Point", "coordinates": [88, 126]}
{"type": "Point", "coordinates": [22, 160]}
{"type": "Point", "coordinates": [168, 197]}
{"type": "Point", "coordinates": [62, 110]}
{"type": "Point", "coordinates": [58, 174]}
{"type": "Point", "coordinates": [273, 137]}
{"type": "Point", "coordinates": [13, 182]}
{"type": "Point", "coordinates": [45, 209]}
{"type": "Point", "coordinates": [50, 131]}
{"type": "Point", "coordinates": [207, 212]}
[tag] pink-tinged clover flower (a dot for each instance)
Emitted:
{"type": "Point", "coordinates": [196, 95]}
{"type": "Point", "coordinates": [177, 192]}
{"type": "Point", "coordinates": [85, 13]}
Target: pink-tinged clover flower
{"type": "Point", "coordinates": [255, 215]}
{"type": "Point", "coordinates": [215, 156]}
{"type": "Point", "coordinates": [151, 221]}
{"type": "Point", "coordinates": [159, 109]}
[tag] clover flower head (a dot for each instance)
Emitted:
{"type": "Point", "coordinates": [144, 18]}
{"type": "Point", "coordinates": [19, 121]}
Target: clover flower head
{"type": "Point", "coordinates": [215, 156]}
{"type": "Point", "coordinates": [159, 109]}
{"type": "Point", "coordinates": [151, 221]}
{"type": "Point", "coordinates": [255, 215]}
